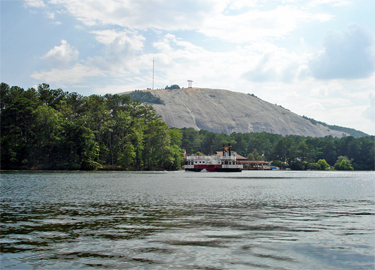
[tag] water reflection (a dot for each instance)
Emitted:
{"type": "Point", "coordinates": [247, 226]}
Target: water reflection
{"type": "Point", "coordinates": [187, 221]}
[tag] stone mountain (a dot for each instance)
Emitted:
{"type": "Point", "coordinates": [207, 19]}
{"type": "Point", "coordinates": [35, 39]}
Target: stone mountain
{"type": "Point", "coordinates": [226, 111]}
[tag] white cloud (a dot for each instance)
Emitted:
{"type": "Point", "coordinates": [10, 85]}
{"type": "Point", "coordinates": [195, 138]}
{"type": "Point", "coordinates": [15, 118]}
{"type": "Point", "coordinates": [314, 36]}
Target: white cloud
{"type": "Point", "coordinates": [76, 74]}
{"type": "Point", "coordinates": [117, 61]}
{"type": "Point", "coordinates": [183, 60]}
{"type": "Point", "coordinates": [139, 14]}
{"type": "Point", "coordinates": [255, 24]}
{"type": "Point", "coordinates": [369, 112]}
{"type": "Point", "coordinates": [50, 15]}
{"type": "Point", "coordinates": [275, 65]}
{"type": "Point", "coordinates": [325, 89]}
{"type": "Point", "coordinates": [126, 36]}
{"type": "Point", "coordinates": [351, 117]}
{"type": "Point", "coordinates": [315, 106]}
{"type": "Point", "coordinates": [263, 71]}
{"type": "Point", "coordinates": [335, 3]}
{"type": "Point", "coordinates": [61, 56]}
{"type": "Point", "coordinates": [116, 89]}
{"type": "Point", "coordinates": [348, 54]}
{"type": "Point", "coordinates": [35, 3]}
{"type": "Point", "coordinates": [120, 53]}
{"type": "Point", "coordinates": [239, 4]}
{"type": "Point", "coordinates": [204, 16]}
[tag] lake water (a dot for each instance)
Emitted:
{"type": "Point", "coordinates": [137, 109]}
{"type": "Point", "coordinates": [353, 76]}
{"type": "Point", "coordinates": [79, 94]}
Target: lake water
{"type": "Point", "coordinates": [187, 220]}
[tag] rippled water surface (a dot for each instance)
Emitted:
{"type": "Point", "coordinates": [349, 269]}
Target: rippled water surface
{"type": "Point", "coordinates": [186, 220]}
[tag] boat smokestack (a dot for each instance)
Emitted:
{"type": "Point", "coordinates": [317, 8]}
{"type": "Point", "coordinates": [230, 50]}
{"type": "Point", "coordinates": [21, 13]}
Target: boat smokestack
{"type": "Point", "coordinates": [229, 147]}
{"type": "Point", "coordinates": [224, 150]}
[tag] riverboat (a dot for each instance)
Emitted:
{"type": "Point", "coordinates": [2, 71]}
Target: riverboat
{"type": "Point", "coordinates": [225, 163]}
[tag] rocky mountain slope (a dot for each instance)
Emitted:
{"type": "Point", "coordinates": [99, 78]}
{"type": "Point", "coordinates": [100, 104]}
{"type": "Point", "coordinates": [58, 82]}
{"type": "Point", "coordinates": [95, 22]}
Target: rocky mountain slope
{"type": "Point", "coordinates": [226, 111]}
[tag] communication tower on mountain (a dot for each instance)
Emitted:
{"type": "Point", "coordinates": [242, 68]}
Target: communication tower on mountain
{"type": "Point", "coordinates": [190, 84]}
{"type": "Point", "coordinates": [153, 72]}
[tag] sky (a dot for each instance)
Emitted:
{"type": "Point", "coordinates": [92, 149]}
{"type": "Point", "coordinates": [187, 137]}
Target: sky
{"type": "Point", "coordinates": [313, 57]}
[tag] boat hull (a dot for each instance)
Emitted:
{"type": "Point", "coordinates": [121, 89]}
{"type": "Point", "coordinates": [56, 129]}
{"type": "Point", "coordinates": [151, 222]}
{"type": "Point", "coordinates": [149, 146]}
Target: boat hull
{"type": "Point", "coordinates": [228, 170]}
{"type": "Point", "coordinates": [194, 170]}
{"type": "Point", "coordinates": [213, 168]}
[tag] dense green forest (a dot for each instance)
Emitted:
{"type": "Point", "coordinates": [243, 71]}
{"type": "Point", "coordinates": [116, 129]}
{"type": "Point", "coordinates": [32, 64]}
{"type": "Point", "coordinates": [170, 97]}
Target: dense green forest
{"type": "Point", "coordinates": [51, 129]}
{"type": "Point", "coordinates": [295, 152]}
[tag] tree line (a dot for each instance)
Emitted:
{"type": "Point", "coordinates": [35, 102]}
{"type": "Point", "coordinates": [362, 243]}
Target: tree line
{"type": "Point", "coordinates": [291, 151]}
{"type": "Point", "coordinates": [47, 128]}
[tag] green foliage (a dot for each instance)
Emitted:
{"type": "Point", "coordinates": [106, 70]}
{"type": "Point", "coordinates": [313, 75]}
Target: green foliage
{"type": "Point", "coordinates": [284, 149]}
{"type": "Point", "coordinates": [313, 166]}
{"type": "Point", "coordinates": [145, 97]}
{"type": "Point", "coordinates": [343, 164]}
{"type": "Point", "coordinates": [250, 157]}
{"type": "Point", "coordinates": [255, 156]}
{"type": "Point", "coordinates": [173, 86]}
{"type": "Point", "coordinates": [52, 129]}
{"type": "Point", "coordinates": [298, 165]}
{"type": "Point", "coordinates": [278, 163]}
{"type": "Point", "coordinates": [323, 164]}
{"type": "Point", "coordinates": [126, 156]}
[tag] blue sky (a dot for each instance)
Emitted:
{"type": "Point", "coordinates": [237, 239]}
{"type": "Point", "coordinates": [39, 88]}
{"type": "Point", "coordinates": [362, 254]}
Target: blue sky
{"type": "Point", "coordinates": [313, 57]}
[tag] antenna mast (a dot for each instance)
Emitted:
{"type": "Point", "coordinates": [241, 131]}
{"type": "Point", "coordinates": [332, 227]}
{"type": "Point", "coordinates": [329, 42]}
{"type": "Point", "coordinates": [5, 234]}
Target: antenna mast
{"type": "Point", "coordinates": [153, 72]}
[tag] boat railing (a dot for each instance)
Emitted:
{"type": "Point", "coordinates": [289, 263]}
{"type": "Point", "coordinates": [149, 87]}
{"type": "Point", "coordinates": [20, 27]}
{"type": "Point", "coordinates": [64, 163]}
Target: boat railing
{"type": "Point", "coordinates": [198, 157]}
{"type": "Point", "coordinates": [211, 157]}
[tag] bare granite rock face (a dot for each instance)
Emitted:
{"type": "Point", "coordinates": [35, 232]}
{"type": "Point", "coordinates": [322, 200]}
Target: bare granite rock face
{"type": "Point", "coordinates": [226, 111]}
